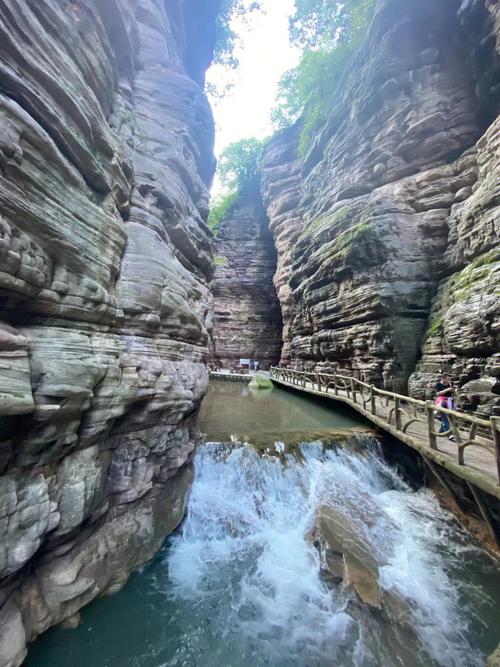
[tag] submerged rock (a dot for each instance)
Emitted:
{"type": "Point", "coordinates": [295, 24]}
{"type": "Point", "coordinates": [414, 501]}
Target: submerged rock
{"type": "Point", "coordinates": [261, 382]}
{"type": "Point", "coordinates": [347, 561]}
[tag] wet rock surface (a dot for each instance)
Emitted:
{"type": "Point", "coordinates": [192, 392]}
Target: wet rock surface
{"type": "Point", "coordinates": [350, 563]}
{"type": "Point", "coordinates": [345, 555]}
{"type": "Point", "coordinates": [393, 213]}
{"type": "Point", "coordinates": [247, 316]}
{"type": "Point", "coordinates": [105, 258]}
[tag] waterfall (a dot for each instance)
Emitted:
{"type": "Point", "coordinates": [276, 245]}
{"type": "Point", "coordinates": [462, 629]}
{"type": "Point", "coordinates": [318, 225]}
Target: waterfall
{"type": "Point", "coordinates": [248, 581]}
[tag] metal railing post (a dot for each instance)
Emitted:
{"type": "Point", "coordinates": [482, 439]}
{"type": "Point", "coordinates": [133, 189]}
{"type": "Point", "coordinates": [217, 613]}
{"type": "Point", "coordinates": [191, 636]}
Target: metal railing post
{"type": "Point", "coordinates": [373, 406]}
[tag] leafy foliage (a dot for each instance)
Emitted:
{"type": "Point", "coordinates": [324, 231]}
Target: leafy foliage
{"type": "Point", "coordinates": [309, 87]}
{"type": "Point", "coordinates": [239, 163]}
{"type": "Point", "coordinates": [219, 210]}
{"type": "Point", "coordinates": [239, 168]}
{"type": "Point", "coordinates": [328, 31]}
{"type": "Point", "coordinates": [226, 37]}
{"type": "Point", "coordinates": [322, 24]}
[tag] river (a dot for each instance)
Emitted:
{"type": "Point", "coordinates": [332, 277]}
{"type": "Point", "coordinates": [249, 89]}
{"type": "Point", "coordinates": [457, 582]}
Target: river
{"type": "Point", "coordinates": [242, 582]}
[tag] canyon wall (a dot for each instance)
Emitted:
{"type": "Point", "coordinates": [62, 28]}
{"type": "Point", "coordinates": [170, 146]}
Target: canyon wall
{"type": "Point", "coordinates": [105, 257]}
{"type": "Point", "coordinates": [247, 316]}
{"type": "Point", "coordinates": [393, 213]}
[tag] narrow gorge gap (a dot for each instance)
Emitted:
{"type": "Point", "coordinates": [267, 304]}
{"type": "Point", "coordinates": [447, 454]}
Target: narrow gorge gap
{"type": "Point", "coordinates": [247, 315]}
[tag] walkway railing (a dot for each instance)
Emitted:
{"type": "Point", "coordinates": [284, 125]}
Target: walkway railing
{"type": "Point", "coordinates": [407, 415]}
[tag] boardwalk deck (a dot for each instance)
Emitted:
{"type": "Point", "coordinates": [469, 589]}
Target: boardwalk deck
{"type": "Point", "coordinates": [473, 456]}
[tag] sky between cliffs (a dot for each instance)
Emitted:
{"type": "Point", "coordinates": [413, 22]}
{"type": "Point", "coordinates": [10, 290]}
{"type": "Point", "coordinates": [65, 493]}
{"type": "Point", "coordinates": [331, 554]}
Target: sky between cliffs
{"type": "Point", "coordinates": [264, 53]}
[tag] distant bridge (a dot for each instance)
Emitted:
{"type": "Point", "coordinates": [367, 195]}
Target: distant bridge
{"type": "Point", "coordinates": [474, 455]}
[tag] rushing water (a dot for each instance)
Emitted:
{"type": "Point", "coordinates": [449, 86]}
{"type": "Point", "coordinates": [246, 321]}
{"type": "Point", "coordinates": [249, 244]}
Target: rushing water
{"type": "Point", "coordinates": [239, 585]}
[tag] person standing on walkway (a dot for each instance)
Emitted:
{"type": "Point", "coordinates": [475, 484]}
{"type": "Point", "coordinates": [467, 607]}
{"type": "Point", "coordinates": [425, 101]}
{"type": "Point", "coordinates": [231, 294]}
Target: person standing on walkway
{"type": "Point", "coordinates": [444, 399]}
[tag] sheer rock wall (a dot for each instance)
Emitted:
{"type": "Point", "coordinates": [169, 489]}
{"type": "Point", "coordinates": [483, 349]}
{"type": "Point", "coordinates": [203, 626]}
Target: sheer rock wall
{"type": "Point", "coordinates": [247, 316]}
{"type": "Point", "coordinates": [105, 158]}
{"type": "Point", "coordinates": [394, 210]}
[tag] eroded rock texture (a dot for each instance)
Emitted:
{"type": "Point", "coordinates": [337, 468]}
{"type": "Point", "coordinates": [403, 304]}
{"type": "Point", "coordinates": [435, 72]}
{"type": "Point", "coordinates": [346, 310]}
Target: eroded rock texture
{"type": "Point", "coordinates": [105, 158]}
{"type": "Point", "coordinates": [247, 316]}
{"type": "Point", "coordinates": [397, 202]}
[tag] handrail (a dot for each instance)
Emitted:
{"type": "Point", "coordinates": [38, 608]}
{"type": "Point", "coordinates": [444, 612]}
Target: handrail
{"type": "Point", "coordinates": [403, 412]}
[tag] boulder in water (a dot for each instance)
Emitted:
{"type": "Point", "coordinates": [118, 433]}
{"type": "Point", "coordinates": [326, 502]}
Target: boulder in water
{"type": "Point", "coordinates": [363, 579]}
{"type": "Point", "coordinates": [261, 382]}
{"type": "Point", "coordinates": [345, 555]}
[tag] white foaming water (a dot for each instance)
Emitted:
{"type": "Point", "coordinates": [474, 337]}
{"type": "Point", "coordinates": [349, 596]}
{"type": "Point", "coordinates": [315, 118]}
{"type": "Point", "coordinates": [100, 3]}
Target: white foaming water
{"type": "Point", "coordinates": [250, 580]}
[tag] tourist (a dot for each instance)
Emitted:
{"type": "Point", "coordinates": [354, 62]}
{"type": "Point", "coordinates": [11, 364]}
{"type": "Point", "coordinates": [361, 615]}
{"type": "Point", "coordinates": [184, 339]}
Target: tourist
{"type": "Point", "coordinates": [444, 399]}
{"type": "Point", "coordinates": [445, 392]}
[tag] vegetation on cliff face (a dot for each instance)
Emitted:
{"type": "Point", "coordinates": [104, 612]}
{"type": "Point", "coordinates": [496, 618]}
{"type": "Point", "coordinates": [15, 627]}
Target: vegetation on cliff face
{"type": "Point", "coordinates": [328, 31]}
{"type": "Point", "coordinates": [239, 168]}
{"type": "Point", "coordinates": [219, 209]}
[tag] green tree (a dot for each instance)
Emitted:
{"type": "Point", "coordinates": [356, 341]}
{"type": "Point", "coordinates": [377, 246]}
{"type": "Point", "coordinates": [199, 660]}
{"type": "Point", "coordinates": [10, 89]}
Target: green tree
{"type": "Point", "coordinates": [231, 15]}
{"type": "Point", "coordinates": [309, 86]}
{"type": "Point", "coordinates": [328, 31]}
{"type": "Point", "coordinates": [322, 24]}
{"type": "Point", "coordinates": [239, 163]}
{"type": "Point", "coordinates": [238, 168]}
{"type": "Point", "coordinates": [226, 37]}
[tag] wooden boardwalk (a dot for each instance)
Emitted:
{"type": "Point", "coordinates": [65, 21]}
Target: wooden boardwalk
{"type": "Point", "coordinates": [474, 455]}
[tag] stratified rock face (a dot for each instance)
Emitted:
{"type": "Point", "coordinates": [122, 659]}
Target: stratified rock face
{"type": "Point", "coordinates": [105, 158]}
{"type": "Point", "coordinates": [281, 186]}
{"type": "Point", "coordinates": [399, 190]}
{"type": "Point", "coordinates": [464, 326]}
{"type": "Point", "coordinates": [247, 316]}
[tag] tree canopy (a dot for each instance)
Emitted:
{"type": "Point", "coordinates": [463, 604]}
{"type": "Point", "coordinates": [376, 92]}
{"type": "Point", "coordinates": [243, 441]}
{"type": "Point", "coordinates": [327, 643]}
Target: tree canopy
{"type": "Point", "coordinates": [240, 162]}
{"type": "Point", "coordinates": [323, 24]}
{"type": "Point", "coordinates": [226, 37]}
{"type": "Point", "coordinates": [239, 168]}
{"type": "Point", "coordinates": [219, 208]}
{"type": "Point", "coordinates": [328, 31]}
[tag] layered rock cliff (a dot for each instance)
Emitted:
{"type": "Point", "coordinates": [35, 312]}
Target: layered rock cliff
{"type": "Point", "coordinates": [247, 315]}
{"type": "Point", "coordinates": [105, 160]}
{"type": "Point", "coordinates": [393, 214]}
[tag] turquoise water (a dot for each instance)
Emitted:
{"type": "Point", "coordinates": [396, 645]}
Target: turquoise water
{"type": "Point", "coordinates": [240, 584]}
